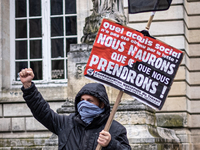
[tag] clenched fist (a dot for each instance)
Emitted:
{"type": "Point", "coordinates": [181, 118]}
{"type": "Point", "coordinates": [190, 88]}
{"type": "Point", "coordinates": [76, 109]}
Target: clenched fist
{"type": "Point", "coordinates": [26, 76]}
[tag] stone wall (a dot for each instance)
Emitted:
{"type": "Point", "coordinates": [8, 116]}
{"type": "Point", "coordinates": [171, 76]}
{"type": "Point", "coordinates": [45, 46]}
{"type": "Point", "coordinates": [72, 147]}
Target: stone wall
{"type": "Point", "coordinates": [18, 128]}
{"type": "Point", "coordinates": [179, 27]}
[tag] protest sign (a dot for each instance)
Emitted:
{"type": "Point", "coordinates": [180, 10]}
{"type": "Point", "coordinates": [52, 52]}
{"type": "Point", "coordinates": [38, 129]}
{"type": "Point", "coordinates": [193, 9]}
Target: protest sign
{"type": "Point", "coordinates": [141, 66]}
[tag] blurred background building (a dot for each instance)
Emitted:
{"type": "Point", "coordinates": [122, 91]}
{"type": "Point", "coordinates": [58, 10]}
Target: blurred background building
{"type": "Point", "coordinates": [38, 34]}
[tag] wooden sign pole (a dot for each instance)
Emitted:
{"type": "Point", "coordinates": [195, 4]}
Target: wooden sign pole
{"type": "Point", "coordinates": [150, 21]}
{"type": "Point", "coordinates": [112, 114]}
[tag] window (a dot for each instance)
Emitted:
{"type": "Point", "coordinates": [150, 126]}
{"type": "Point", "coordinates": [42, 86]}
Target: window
{"type": "Point", "coordinates": [43, 31]}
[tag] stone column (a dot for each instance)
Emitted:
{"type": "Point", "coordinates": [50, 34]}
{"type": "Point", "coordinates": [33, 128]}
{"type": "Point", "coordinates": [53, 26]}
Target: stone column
{"type": "Point", "coordinates": [77, 60]}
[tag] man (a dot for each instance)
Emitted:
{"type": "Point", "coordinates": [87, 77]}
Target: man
{"type": "Point", "coordinates": [82, 130]}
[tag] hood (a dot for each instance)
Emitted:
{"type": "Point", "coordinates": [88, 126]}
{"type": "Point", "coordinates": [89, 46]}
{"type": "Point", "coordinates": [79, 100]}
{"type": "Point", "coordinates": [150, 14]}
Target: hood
{"type": "Point", "coordinates": [97, 90]}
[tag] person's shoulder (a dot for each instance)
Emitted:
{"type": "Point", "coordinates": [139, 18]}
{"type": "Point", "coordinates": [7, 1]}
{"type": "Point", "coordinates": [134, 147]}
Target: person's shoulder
{"type": "Point", "coordinates": [116, 124]}
{"type": "Point", "coordinates": [117, 128]}
{"type": "Point", "coordinates": [67, 119]}
{"type": "Point", "coordinates": [70, 116]}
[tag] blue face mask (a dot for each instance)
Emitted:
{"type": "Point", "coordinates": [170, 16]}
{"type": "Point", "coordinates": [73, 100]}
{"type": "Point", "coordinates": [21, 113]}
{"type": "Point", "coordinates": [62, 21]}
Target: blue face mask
{"type": "Point", "coordinates": [88, 111]}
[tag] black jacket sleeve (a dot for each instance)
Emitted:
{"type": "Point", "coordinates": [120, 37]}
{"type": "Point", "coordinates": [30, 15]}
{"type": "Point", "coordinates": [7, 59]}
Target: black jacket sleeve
{"type": "Point", "coordinates": [41, 109]}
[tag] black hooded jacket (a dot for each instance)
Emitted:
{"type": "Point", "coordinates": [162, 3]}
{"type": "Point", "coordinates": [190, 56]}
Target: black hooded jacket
{"type": "Point", "coordinates": [73, 133]}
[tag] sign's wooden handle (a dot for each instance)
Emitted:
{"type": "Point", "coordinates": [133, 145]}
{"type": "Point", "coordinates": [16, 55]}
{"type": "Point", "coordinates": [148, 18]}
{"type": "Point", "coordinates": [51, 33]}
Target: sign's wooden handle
{"type": "Point", "coordinates": [98, 147]}
{"type": "Point", "coordinates": [112, 114]}
{"type": "Point", "coordinates": [150, 21]}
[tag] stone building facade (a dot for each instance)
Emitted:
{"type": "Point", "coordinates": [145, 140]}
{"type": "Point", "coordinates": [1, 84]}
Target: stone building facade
{"type": "Point", "coordinates": [179, 26]}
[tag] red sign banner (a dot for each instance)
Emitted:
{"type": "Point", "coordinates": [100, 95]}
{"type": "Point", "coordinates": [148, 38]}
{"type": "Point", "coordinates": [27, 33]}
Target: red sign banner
{"type": "Point", "coordinates": [141, 66]}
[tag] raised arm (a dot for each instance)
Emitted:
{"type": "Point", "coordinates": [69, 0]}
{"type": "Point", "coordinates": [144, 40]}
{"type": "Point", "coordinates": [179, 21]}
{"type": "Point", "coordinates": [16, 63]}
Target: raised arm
{"type": "Point", "coordinates": [38, 106]}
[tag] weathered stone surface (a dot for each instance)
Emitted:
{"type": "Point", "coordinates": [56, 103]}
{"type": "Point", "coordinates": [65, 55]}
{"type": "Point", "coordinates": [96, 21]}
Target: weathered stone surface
{"type": "Point", "coordinates": [50, 148]}
{"type": "Point", "coordinates": [5, 124]}
{"type": "Point", "coordinates": [181, 73]}
{"type": "Point", "coordinates": [22, 143]}
{"type": "Point", "coordinates": [155, 146]}
{"type": "Point", "coordinates": [177, 2]}
{"type": "Point", "coordinates": [186, 146]}
{"type": "Point", "coordinates": [33, 125]}
{"type": "Point", "coordinates": [196, 146]}
{"type": "Point", "coordinates": [195, 133]}
{"type": "Point", "coordinates": [194, 123]}
{"type": "Point", "coordinates": [175, 104]}
{"type": "Point", "coordinates": [192, 35]}
{"type": "Point", "coordinates": [5, 45]}
{"type": "Point", "coordinates": [194, 78]}
{"type": "Point", "coordinates": [54, 93]}
{"type": "Point", "coordinates": [5, 148]}
{"type": "Point", "coordinates": [193, 92]}
{"type": "Point", "coordinates": [161, 28]}
{"type": "Point", "coordinates": [172, 119]}
{"type": "Point", "coordinates": [183, 134]}
{"type": "Point", "coordinates": [151, 138]}
{"type": "Point", "coordinates": [192, 21]}
{"type": "Point", "coordinates": [23, 140]}
{"type": "Point", "coordinates": [1, 111]}
{"type": "Point", "coordinates": [193, 49]}
{"type": "Point", "coordinates": [194, 106]}
{"type": "Point", "coordinates": [55, 105]}
{"type": "Point", "coordinates": [140, 117]}
{"type": "Point", "coordinates": [192, 8]}
{"type": "Point", "coordinates": [178, 88]}
{"type": "Point", "coordinates": [77, 60]}
{"type": "Point", "coordinates": [14, 110]}
{"type": "Point", "coordinates": [34, 134]}
{"type": "Point", "coordinates": [83, 10]}
{"type": "Point", "coordinates": [193, 63]}
{"type": "Point", "coordinates": [149, 134]}
{"type": "Point", "coordinates": [49, 92]}
{"type": "Point", "coordinates": [18, 124]}
{"type": "Point", "coordinates": [22, 148]}
{"type": "Point", "coordinates": [11, 95]}
{"type": "Point", "coordinates": [134, 112]}
{"type": "Point", "coordinates": [52, 141]}
{"type": "Point", "coordinates": [168, 134]}
{"type": "Point", "coordinates": [175, 12]}
{"type": "Point", "coordinates": [133, 105]}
